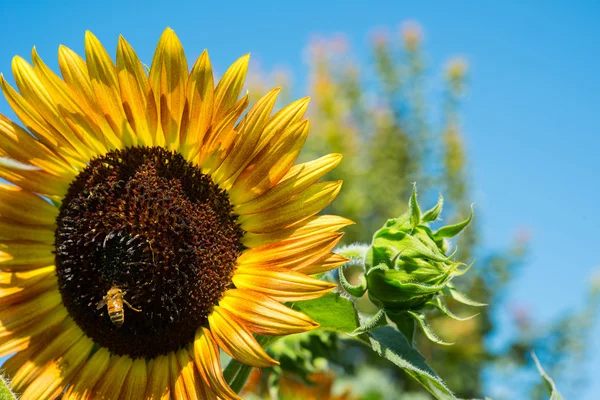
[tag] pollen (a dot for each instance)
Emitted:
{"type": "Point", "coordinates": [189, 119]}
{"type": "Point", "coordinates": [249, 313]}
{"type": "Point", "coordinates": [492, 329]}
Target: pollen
{"type": "Point", "coordinates": [148, 222]}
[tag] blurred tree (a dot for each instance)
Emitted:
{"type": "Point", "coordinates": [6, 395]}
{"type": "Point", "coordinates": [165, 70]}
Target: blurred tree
{"type": "Point", "coordinates": [380, 115]}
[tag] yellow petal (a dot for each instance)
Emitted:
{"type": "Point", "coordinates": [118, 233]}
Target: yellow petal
{"type": "Point", "coordinates": [22, 146]}
{"type": "Point", "coordinates": [135, 384]}
{"type": "Point", "coordinates": [135, 92]}
{"type": "Point", "coordinates": [17, 316]}
{"type": "Point", "coordinates": [88, 376]}
{"type": "Point", "coordinates": [263, 315]}
{"type": "Point", "coordinates": [34, 332]}
{"type": "Point", "coordinates": [229, 87]}
{"type": "Point", "coordinates": [34, 92]}
{"type": "Point", "coordinates": [168, 78]}
{"type": "Point", "coordinates": [200, 97]}
{"type": "Point", "coordinates": [158, 384]}
{"type": "Point", "coordinates": [236, 340]}
{"type": "Point", "coordinates": [281, 121]}
{"type": "Point", "coordinates": [221, 137]}
{"type": "Point", "coordinates": [23, 279]}
{"type": "Point", "coordinates": [270, 165]}
{"type": "Point", "coordinates": [15, 362]}
{"type": "Point", "coordinates": [195, 386]}
{"type": "Point", "coordinates": [110, 384]}
{"type": "Point", "coordinates": [178, 390]}
{"type": "Point", "coordinates": [298, 179]}
{"type": "Point", "coordinates": [17, 291]}
{"type": "Point", "coordinates": [291, 253]}
{"type": "Point", "coordinates": [25, 207]}
{"type": "Point", "coordinates": [280, 284]}
{"type": "Point", "coordinates": [325, 264]}
{"type": "Point", "coordinates": [207, 359]}
{"type": "Point", "coordinates": [75, 113]}
{"type": "Point", "coordinates": [249, 132]}
{"type": "Point", "coordinates": [58, 373]}
{"type": "Point", "coordinates": [75, 72]}
{"type": "Point", "coordinates": [103, 76]}
{"type": "Point", "coordinates": [14, 231]}
{"type": "Point", "coordinates": [32, 180]}
{"type": "Point", "coordinates": [32, 367]}
{"type": "Point", "coordinates": [19, 256]}
{"type": "Point", "coordinates": [312, 226]}
{"type": "Point", "coordinates": [44, 131]}
{"type": "Point", "coordinates": [306, 204]}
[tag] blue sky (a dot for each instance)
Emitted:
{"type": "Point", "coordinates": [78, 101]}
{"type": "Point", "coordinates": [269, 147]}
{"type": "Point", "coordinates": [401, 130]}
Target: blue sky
{"type": "Point", "coordinates": [531, 117]}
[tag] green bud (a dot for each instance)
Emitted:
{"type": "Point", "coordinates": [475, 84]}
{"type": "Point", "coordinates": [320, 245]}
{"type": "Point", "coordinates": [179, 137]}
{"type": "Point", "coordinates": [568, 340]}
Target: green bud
{"type": "Point", "coordinates": [408, 270]}
{"type": "Point", "coordinates": [406, 263]}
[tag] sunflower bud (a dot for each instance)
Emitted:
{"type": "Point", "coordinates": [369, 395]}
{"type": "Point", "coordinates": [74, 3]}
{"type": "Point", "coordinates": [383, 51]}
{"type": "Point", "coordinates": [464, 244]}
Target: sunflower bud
{"type": "Point", "coordinates": [407, 269]}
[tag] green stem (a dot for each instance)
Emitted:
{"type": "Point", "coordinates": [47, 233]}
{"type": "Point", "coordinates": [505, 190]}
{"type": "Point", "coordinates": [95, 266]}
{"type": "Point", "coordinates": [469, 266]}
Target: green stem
{"type": "Point", "coordinates": [236, 374]}
{"type": "Point", "coordinates": [5, 392]}
{"type": "Point", "coordinates": [406, 325]}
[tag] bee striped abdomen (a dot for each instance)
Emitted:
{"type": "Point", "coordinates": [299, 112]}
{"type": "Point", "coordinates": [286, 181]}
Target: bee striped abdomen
{"type": "Point", "coordinates": [115, 311]}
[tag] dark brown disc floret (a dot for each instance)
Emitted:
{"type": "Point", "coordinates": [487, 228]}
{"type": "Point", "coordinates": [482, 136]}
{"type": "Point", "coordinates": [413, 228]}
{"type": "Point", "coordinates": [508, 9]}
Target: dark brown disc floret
{"type": "Point", "coordinates": [148, 222]}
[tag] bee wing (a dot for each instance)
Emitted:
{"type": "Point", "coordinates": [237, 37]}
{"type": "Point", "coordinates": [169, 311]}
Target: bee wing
{"type": "Point", "coordinates": [101, 303]}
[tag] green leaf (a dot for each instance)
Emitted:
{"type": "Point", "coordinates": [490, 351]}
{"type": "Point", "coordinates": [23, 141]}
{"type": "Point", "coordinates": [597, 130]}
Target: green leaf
{"type": "Point", "coordinates": [332, 312]}
{"type": "Point", "coordinates": [433, 213]}
{"type": "Point", "coordinates": [426, 328]}
{"type": "Point", "coordinates": [413, 206]}
{"type": "Point", "coordinates": [5, 392]}
{"type": "Point", "coordinates": [392, 345]}
{"type": "Point", "coordinates": [453, 230]}
{"type": "Point", "coordinates": [549, 383]}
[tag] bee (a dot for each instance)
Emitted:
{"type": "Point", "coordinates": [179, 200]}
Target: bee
{"type": "Point", "coordinates": [114, 300]}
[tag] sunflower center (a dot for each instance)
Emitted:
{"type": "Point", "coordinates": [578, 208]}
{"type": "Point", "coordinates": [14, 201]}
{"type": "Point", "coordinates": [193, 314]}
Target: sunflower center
{"type": "Point", "coordinates": [159, 235]}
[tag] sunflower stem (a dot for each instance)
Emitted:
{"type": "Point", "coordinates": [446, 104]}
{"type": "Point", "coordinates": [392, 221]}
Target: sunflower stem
{"type": "Point", "coordinates": [5, 391]}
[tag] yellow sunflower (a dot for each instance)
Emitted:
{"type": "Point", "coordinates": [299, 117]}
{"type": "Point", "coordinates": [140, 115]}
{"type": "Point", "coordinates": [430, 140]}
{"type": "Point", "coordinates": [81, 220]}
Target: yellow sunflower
{"type": "Point", "coordinates": [147, 224]}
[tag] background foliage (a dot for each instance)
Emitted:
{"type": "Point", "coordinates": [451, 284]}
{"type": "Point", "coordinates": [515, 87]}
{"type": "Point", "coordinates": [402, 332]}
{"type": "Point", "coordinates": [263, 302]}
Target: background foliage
{"type": "Point", "coordinates": [381, 115]}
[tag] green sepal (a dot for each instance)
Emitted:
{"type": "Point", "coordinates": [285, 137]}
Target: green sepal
{"type": "Point", "coordinates": [6, 392]}
{"type": "Point", "coordinates": [462, 271]}
{"type": "Point", "coordinates": [443, 308]}
{"type": "Point", "coordinates": [377, 321]}
{"type": "Point", "coordinates": [354, 290]}
{"type": "Point", "coordinates": [393, 242]}
{"type": "Point", "coordinates": [426, 328]}
{"type": "Point", "coordinates": [413, 206]}
{"type": "Point", "coordinates": [453, 230]}
{"type": "Point", "coordinates": [387, 290]}
{"type": "Point", "coordinates": [461, 297]}
{"type": "Point", "coordinates": [433, 213]}
{"type": "Point", "coordinates": [354, 251]}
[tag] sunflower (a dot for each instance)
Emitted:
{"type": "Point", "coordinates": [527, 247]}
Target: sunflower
{"type": "Point", "coordinates": [148, 223]}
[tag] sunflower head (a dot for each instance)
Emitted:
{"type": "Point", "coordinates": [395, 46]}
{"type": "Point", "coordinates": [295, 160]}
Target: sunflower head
{"type": "Point", "coordinates": [149, 221]}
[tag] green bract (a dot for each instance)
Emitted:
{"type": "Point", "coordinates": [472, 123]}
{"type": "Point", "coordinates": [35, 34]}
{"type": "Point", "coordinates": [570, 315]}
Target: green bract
{"type": "Point", "coordinates": [407, 270]}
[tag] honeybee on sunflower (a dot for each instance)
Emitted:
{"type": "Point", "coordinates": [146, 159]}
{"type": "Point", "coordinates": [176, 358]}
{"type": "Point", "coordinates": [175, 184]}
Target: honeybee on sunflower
{"type": "Point", "coordinates": [160, 185]}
